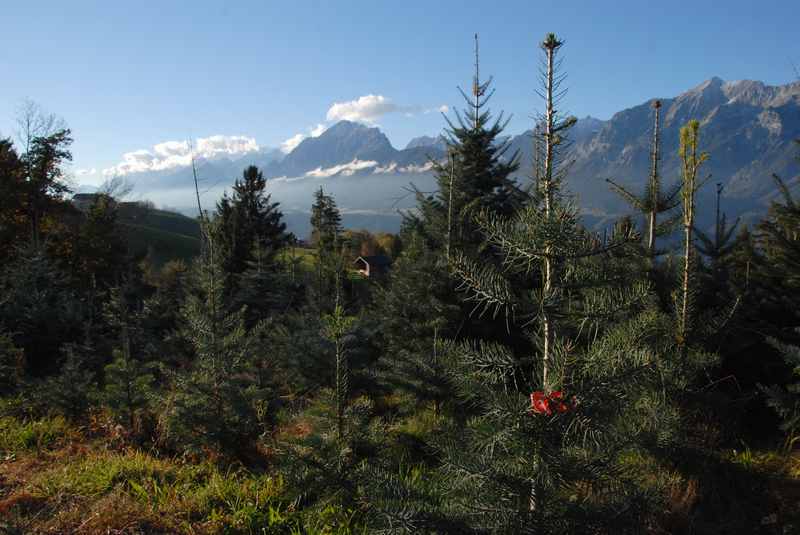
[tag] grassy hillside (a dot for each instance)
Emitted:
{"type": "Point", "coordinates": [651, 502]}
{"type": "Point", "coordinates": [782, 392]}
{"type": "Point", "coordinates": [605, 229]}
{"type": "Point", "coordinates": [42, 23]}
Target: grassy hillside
{"type": "Point", "coordinates": [58, 478]}
{"type": "Point", "coordinates": [167, 235]}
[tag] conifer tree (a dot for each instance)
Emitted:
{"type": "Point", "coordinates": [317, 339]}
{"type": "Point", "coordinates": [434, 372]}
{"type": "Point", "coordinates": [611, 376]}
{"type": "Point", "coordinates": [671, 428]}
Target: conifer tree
{"type": "Point", "coordinates": [421, 303]}
{"type": "Point", "coordinates": [691, 160]}
{"type": "Point", "coordinates": [216, 403]}
{"type": "Point", "coordinates": [327, 464]}
{"type": "Point", "coordinates": [266, 288]}
{"type": "Point", "coordinates": [40, 308]}
{"type": "Point", "coordinates": [70, 391]}
{"type": "Point", "coordinates": [541, 454]}
{"type": "Point", "coordinates": [416, 312]}
{"type": "Point", "coordinates": [779, 240]}
{"type": "Point", "coordinates": [250, 223]}
{"type": "Point", "coordinates": [786, 401]}
{"type": "Point", "coordinates": [654, 201]}
{"type": "Point", "coordinates": [476, 176]}
{"type": "Point", "coordinates": [129, 378]}
{"type": "Point", "coordinates": [12, 199]}
{"type": "Point", "coordinates": [718, 252]}
{"type": "Point", "coordinates": [43, 161]}
{"type": "Point", "coordinates": [12, 366]}
{"type": "Point", "coordinates": [326, 235]}
{"type": "Point", "coordinates": [336, 327]}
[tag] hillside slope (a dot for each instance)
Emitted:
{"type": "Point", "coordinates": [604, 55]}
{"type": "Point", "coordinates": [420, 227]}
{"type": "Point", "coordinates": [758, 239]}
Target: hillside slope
{"type": "Point", "coordinates": [166, 235]}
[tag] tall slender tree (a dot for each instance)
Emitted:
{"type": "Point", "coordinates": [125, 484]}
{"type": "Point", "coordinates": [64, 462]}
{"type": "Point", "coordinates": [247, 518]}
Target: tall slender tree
{"type": "Point", "coordinates": [691, 160]}
{"type": "Point", "coordinates": [655, 200]}
{"type": "Point", "coordinates": [326, 234]}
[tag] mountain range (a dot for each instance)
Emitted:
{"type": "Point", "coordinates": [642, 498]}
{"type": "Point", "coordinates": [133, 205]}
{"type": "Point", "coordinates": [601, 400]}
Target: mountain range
{"type": "Point", "coordinates": [748, 128]}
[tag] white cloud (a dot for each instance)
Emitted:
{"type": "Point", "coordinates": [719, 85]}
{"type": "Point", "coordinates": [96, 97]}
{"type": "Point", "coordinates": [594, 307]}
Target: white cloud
{"type": "Point", "coordinates": [318, 130]}
{"type": "Point", "coordinates": [368, 109]}
{"type": "Point", "coordinates": [351, 168]}
{"type": "Point", "coordinates": [411, 168]}
{"type": "Point", "coordinates": [290, 144]}
{"type": "Point", "coordinates": [170, 154]}
{"type": "Point", "coordinates": [346, 169]}
{"type": "Point", "coordinates": [85, 172]}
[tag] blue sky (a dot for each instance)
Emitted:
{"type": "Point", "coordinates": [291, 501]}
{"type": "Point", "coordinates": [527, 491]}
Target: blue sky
{"type": "Point", "coordinates": [127, 76]}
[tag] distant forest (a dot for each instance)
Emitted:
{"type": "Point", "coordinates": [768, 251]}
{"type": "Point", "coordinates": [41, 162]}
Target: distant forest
{"type": "Point", "coordinates": [494, 367]}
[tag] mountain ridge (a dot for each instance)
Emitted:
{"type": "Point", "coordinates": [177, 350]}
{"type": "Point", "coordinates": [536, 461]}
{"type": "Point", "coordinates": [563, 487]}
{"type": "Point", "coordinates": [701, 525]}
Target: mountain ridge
{"type": "Point", "coordinates": [747, 126]}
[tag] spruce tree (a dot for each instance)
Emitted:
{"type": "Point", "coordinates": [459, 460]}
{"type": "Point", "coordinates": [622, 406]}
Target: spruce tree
{"type": "Point", "coordinates": [250, 222]}
{"type": "Point", "coordinates": [39, 306]}
{"type": "Point", "coordinates": [326, 235]}
{"type": "Point", "coordinates": [69, 392]}
{"type": "Point", "coordinates": [326, 463]}
{"type": "Point", "coordinates": [421, 305]}
{"type": "Point", "coordinates": [477, 175]}
{"type": "Point", "coordinates": [12, 366]}
{"type": "Point", "coordinates": [416, 312]}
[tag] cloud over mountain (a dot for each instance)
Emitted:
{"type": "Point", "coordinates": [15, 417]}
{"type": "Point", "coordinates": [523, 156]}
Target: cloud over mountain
{"type": "Point", "coordinates": [369, 108]}
{"type": "Point", "coordinates": [290, 144]}
{"type": "Point", "coordinates": [171, 154]}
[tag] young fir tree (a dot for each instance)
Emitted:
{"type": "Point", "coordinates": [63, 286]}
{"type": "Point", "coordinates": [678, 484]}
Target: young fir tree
{"type": "Point", "coordinates": [654, 201]}
{"type": "Point", "coordinates": [70, 391]}
{"type": "Point", "coordinates": [99, 258]}
{"type": "Point", "coordinates": [326, 235]}
{"type": "Point", "coordinates": [476, 176]}
{"type": "Point", "coordinates": [129, 379]}
{"type": "Point", "coordinates": [420, 306]}
{"type": "Point", "coordinates": [266, 288]}
{"type": "Point", "coordinates": [778, 273]}
{"type": "Point", "coordinates": [416, 311]}
{"type": "Point", "coordinates": [542, 454]}
{"type": "Point", "coordinates": [39, 306]}
{"type": "Point", "coordinates": [779, 240]}
{"type": "Point", "coordinates": [718, 252]}
{"type": "Point", "coordinates": [786, 401]}
{"type": "Point", "coordinates": [217, 402]}
{"type": "Point", "coordinates": [12, 366]}
{"type": "Point", "coordinates": [326, 464]}
{"type": "Point", "coordinates": [691, 160]}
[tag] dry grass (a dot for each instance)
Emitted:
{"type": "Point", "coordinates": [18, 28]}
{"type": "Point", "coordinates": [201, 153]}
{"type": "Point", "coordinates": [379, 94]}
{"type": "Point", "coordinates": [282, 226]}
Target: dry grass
{"type": "Point", "coordinates": [84, 486]}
